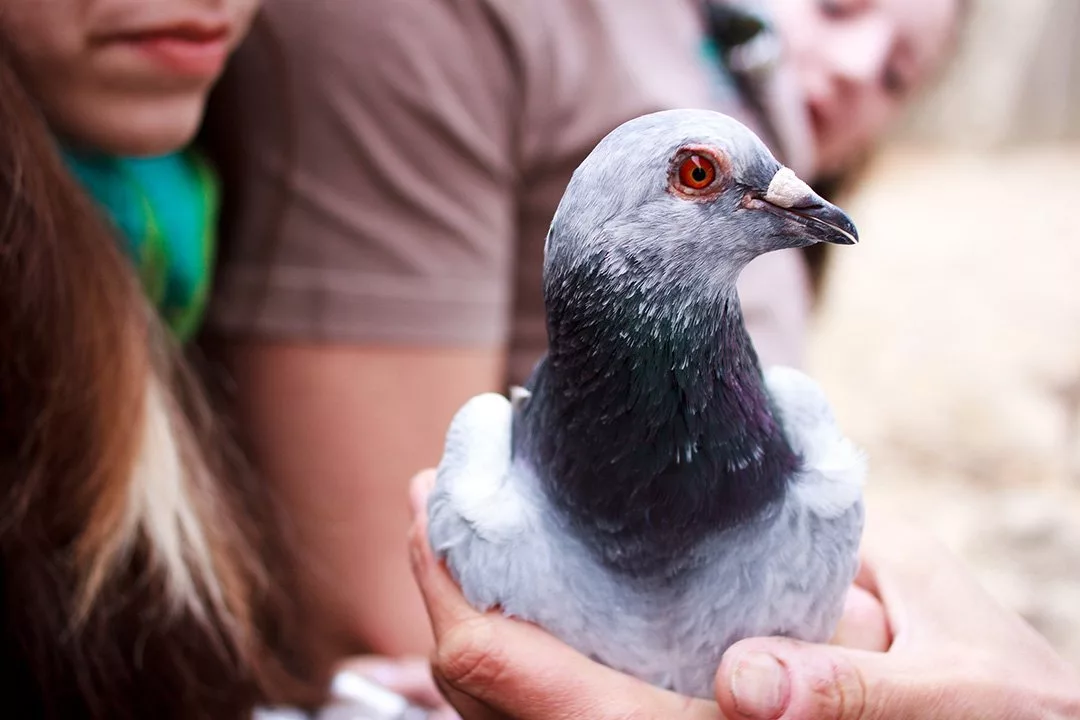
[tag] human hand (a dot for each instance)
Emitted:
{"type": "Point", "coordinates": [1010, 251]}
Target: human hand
{"type": "Point", "coordinates": [954, 653]}
{"type": "Point", "coordinates": [939, 647]}
{"type": "Point", "coordinates": [492, 667]}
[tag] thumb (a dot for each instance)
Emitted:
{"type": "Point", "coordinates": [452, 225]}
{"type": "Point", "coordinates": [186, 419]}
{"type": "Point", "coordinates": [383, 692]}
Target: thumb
{"type": "Point", "coordinates": [781, 679]}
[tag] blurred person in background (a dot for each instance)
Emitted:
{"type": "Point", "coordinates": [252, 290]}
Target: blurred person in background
{"type": "Point", "coordinates": [395, 172]}
{"type": "Point", "coordinates": [134, 578]}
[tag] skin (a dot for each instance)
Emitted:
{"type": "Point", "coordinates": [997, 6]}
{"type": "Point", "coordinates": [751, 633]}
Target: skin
{"type": "Point", "coordinates": [87, 62]}
{"type": "Point", "coordinates": [339, 431]}
{"type": "Point", "coordinates": [858, 62]}
{"type": "Point", "coordinates": [919, 638]}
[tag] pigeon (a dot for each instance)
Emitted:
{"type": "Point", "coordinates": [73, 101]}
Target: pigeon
{"type": "Point", "coordinates": [651, 495]}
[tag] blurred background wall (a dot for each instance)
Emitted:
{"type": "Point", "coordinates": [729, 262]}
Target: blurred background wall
{"type": "Point", "coordinates": [950, 337]}
{"type": "Point", "coordinates": [1016, 79]}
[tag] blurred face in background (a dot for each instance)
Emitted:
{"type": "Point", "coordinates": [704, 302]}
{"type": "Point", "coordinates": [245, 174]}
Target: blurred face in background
{"type": "Point", "coordinates": [858, 61]}
{"type": "Point", "coordinates": [128, 77]}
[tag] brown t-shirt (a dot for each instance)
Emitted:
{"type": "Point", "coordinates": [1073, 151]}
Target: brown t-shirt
{"type": "Point", "coordinates": [405, 159]}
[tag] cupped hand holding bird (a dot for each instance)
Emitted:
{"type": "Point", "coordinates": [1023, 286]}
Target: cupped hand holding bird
{"type": "Point", "coordinates": [919, 639]}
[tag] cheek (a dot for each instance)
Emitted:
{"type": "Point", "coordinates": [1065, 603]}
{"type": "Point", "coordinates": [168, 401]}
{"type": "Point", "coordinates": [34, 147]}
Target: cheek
{"type": "Point", "coordinates": [243, 13]}
{"type": "Point", "coordinates": [800, 26]}
{"type": "Point", "coordinates": [805, 34]}
{"type": "Point", "coordinates": [40, 29]}
{"type": "Point", "coordinates": [858, 129]}
{"type": "Point", "coordinates": [877, 112]}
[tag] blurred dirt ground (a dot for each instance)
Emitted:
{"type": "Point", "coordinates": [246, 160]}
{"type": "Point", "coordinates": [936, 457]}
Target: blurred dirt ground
{"type": "Point", "coordinates": [949, 341]}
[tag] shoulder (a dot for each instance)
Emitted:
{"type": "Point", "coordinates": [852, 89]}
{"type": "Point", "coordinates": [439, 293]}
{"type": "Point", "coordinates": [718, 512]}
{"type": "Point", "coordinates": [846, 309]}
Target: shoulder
{"type": "Point", "coordinates": [385, 33]}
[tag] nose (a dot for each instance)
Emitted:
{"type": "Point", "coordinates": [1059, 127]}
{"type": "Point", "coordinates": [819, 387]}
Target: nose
{"type": "Point", "coordinates": [858, 57]}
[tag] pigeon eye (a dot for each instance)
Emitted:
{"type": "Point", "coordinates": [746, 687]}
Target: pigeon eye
{"type": "Point", "coordinates": [697, 172]}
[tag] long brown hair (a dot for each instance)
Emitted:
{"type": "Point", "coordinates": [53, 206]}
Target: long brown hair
{"type": "Point", "coordinates": [131, 576]}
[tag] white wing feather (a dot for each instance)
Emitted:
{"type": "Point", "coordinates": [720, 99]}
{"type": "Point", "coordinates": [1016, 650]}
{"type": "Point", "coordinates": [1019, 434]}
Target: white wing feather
{"type": "Point", "coordinates": [834, 469]}
{"type": "Point", "coordinates": [473, 474]}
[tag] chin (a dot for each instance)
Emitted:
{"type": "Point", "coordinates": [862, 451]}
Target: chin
{"type": "Point", "coordinates": [151, 128]}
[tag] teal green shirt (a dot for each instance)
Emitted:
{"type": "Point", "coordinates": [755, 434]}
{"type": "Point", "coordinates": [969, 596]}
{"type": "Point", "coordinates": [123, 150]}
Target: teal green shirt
{"type": "Point", "coordinates": [165, 210]}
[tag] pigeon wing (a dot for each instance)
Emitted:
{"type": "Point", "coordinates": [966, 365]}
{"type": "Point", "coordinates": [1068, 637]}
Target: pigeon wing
{"type": "Point", "coordinates": [833, 470]}
{"type": "Point", "coordinates": [481, 519]}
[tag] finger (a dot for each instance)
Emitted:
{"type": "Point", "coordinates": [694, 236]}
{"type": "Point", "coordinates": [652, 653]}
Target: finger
{"type": "Point", "coordinates": [865, 577]}
{"type": "Point", "coordinates": [419, 488]}
{"type": "Point", "coordinates": [925, 589]}
{"type": "Point", "coordinates": [774, 678]}
{"type": "Point", "coordinates": [783, 679]}
{"type": "Point", "coordinates": [492, 664]}
{"type": "Point", "coordinates": [902, 565]}
{"type": "Point", "coordinates": [522, 672]}
{"type": "Point", "coordinates": [466, 706]}
{"type": "Point", "coordinates": [864, 624]}
{"type": "Point", "coordinates": [445, 604]}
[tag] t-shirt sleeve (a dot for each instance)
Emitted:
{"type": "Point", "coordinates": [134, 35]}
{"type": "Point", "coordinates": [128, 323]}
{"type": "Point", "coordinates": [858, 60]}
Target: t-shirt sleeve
{"type": "Point", "coordinates": [374, 196]}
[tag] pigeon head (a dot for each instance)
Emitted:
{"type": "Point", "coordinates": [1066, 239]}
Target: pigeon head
{"type": "Point", "coordinates": [650, 377]}
{"type": "Point", "coordinates": [686, 197]}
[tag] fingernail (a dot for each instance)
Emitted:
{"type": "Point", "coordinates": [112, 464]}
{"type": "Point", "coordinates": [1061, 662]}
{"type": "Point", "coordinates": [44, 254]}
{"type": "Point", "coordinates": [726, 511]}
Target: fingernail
{"type": "Point", "coordinates": [760, 687]}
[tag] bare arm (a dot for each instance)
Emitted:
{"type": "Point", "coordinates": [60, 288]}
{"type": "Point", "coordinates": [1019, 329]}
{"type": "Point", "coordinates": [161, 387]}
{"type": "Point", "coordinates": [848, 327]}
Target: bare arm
{"type": "Point", "coordinates": [338, 431]}
{"type": "Point", "coordinates": [365, 290]}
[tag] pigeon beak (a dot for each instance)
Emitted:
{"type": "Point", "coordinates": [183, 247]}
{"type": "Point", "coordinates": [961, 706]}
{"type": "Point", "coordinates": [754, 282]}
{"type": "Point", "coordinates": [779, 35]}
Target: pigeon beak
{"type": "Point", "coordinates": [790, 197]}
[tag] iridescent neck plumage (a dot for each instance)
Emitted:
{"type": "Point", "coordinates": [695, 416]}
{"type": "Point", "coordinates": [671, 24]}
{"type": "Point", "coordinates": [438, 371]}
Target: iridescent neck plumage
{"type": "Point", "coordinates": [655, 415]}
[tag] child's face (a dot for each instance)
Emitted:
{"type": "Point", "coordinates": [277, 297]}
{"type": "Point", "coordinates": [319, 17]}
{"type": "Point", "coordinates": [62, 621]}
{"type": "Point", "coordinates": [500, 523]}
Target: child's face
{"type": "Point", "coordinates": [123, 76]}
{"type": "Point", "coordinates": [857, 62]}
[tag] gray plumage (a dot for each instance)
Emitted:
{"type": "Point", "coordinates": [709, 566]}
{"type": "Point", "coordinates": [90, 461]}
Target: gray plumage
{"type": "Point", "coordinates": [651, 497]}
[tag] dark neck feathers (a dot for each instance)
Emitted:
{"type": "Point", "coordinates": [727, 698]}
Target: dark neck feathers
{"type": "Point", "coordinates": [651, 421]}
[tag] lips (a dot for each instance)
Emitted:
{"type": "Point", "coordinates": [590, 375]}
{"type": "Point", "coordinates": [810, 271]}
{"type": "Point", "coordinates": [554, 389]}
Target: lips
{"type": "Point", "coordinates": [192, 49]}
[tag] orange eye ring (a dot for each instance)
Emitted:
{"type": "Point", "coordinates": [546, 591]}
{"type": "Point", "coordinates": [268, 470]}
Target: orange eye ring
{"type": "Point", "coordinates": [697, 172]}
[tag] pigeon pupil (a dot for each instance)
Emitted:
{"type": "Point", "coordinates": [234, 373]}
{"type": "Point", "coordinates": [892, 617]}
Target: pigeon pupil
{"type": "Point", "coordinates": [696, 173]}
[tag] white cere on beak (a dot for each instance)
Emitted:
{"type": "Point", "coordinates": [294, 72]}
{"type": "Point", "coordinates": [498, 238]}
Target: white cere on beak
{"type": "Point", "coordinates": [786, 190]}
